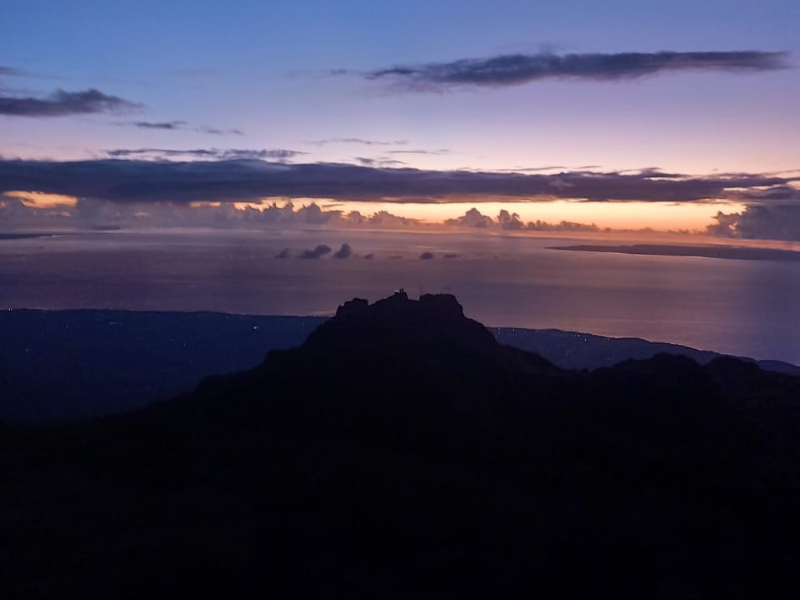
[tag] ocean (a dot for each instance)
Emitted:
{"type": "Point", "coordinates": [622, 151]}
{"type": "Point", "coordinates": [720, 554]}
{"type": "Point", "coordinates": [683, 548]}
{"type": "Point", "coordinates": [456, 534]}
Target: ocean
{"type": "Point", "coordinates": [741, 307]}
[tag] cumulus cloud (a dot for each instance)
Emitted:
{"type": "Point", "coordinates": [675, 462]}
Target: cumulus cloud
{"type": "Point", "coordinates": [222, 178]}
{"type": "Point", "coordinates": [21, 209]}
{"type": "Point", "coordinates": [344, 252]}
{"type": "Point", "coordinates": [61, 103]}
{"type": "Point", "coordinates": [781, 222]}
{"type": "Point", "coordinates": [318, 252]}
{"type": "Point", "coordinates": [560, 226]}
{"type": "Point", "coordinates": [511, 221]}
{"type": "Point", "coordinates": [472, 218]}
{"type": "Point", "coordinates": [34, 209]}
{"type": "Point", "coordinates": [313, 214]}
{"type": "Point", "coordinates": [385, 219]}
{"type": "Point", "coordinates": [287, 215]}
{"type": "Point", "coordinates": [283, 253]}
{"type": "Point", "coordinates": [427, 256]}
{"type": "Point", "coordinates": [518, 69]}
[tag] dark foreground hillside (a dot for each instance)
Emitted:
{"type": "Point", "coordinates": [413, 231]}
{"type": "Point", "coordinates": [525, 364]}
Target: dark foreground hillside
{"type": "Point", "coordinates": [62, 365]}
{"type": "Point", "coordinates": [402, 452]}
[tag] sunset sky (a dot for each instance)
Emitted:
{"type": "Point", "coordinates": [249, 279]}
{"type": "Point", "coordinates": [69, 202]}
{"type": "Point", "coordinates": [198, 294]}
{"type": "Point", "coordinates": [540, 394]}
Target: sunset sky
{"type": "Point", "coordinates": [618, 113]}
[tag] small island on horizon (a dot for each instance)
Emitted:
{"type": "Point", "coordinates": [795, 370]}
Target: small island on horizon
{"type": "Point", "coordinates": [704, 251]}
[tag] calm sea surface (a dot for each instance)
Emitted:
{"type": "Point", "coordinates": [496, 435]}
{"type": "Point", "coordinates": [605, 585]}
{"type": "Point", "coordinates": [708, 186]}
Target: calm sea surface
{"type": "Point", "coordinates": [749, 308]}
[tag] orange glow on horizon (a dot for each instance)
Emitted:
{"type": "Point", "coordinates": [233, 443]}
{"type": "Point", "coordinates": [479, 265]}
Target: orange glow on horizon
{"type": "Point", "coordinates": [41, 199]}
{"type": "Point", "coordinates": [659, 216]}
{"type": "Point", "coordinates": [616, 215]}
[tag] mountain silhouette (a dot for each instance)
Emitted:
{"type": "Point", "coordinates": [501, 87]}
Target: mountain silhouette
{"type": "Point", "coordinates": [401, 451]}
{"type": "Point", "coordinates": [63, 365]}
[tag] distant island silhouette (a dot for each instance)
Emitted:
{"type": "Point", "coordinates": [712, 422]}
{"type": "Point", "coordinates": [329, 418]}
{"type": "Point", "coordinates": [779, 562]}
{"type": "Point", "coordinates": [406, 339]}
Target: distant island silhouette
{"type": "Point", "coordinates": [708, 251]}
{"type": "Point", "coordinates": [402, 451]}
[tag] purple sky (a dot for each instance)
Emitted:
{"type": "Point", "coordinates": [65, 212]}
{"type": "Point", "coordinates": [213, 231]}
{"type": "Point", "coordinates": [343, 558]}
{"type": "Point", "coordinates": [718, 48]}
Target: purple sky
{"type": "Point", "coordinates": [695, 89]}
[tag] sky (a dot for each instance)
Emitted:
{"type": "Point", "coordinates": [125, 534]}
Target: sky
{"type": "Point", "coordinates": [612, 114]}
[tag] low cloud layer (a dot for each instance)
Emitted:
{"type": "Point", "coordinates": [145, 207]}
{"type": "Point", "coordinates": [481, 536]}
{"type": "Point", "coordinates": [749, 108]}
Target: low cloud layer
{"type": "Point", "coordinates": [239, 175]}
{"type": "Point", "coordinates": [25, 209]}
{"type": "Point", "coordinates": [345, 252]}
{"type": "Point", "coordinates": [518, 69]}
{"type": "Point", "coordinates": [61, 103]}
{"type": "Point", "coordinates": [318, 252]}
{"type": "Point", "coordinates": [509, 221]}
{"type": "Point", "coordinates": [22, 209]}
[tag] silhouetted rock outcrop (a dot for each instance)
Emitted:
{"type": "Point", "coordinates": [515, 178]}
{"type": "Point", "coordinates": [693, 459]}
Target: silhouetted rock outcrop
{"type": "Point", "coordinates": [352, 307]}
{"type": "Point", "coordinates": [401, 451]}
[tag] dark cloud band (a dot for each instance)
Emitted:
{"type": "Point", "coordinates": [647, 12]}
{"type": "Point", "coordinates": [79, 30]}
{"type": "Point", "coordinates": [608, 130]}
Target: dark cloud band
{"type": "Point", "coordinates": [61, 103]}
{"type": "Point", "coordinates": [248, 179]}
{"type": "Point", "coordinates": [206, 153]}
{"type": "Point", "coordinates": [177, 126]}
{"type": "Point", "coordinates": [9, 71]}
{"type": "Point", "coordinates": [170, 125]}
{"type": "Point", "coordinates": [517, 69]}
